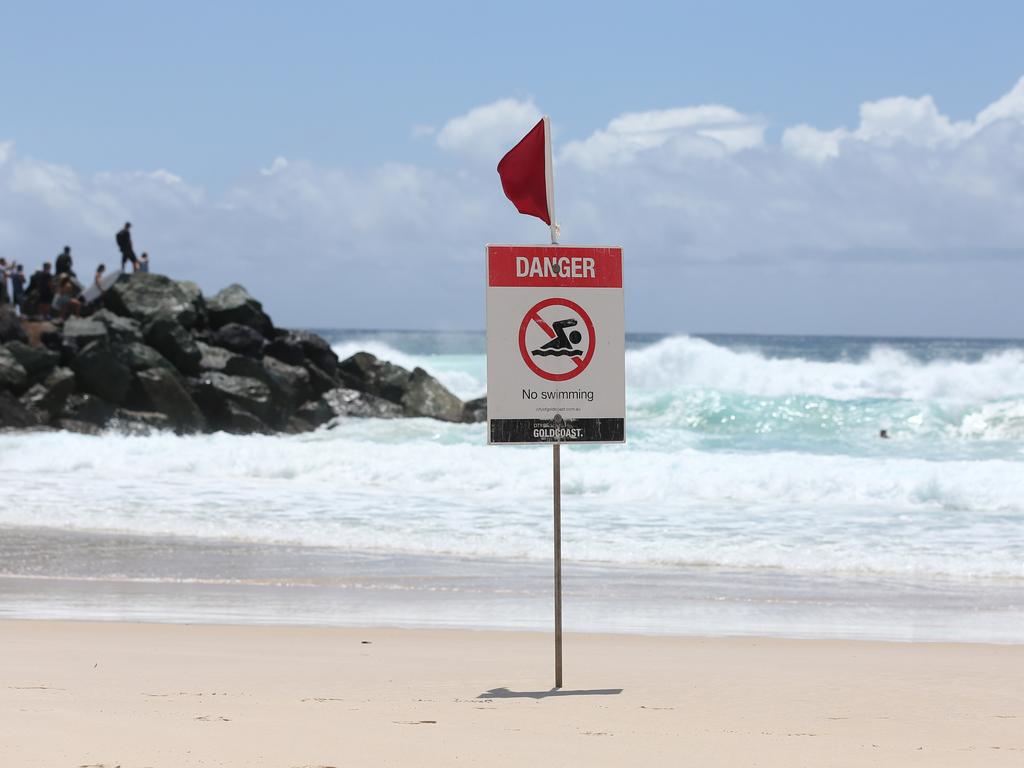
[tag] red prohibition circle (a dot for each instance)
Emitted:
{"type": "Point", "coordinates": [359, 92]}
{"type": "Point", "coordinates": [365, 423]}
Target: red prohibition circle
{"type": "Point", "coordinates": [581, 365]}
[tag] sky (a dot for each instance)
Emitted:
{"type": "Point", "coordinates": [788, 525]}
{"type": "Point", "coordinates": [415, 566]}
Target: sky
{"type": "Point", "coordinates": [793, 167]}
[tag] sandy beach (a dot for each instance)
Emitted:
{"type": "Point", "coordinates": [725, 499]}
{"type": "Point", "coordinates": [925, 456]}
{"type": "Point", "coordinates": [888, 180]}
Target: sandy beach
{"type": "Point", "coordinates": [132, 695]}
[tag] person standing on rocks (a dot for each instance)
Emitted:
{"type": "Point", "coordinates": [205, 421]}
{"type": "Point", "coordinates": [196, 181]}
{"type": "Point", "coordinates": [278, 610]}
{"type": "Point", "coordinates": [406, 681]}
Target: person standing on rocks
{"type": "Point", "coordinates": [4, 271]}
{"type": "Point", "coordinates": [64, 262]}
{"type": "Point", "coordinates": [18, 285]}
{"type": "Point", "coordinates": [144, 262]}
{"type": "Point", "coordinates": [42, 284]}
{"type": "Point", "coordinates": [124, 242]}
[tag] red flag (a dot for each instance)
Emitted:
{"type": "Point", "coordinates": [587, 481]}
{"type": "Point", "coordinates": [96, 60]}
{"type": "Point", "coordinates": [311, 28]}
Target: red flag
{"type": "Point", "coordinates": [525, 174]}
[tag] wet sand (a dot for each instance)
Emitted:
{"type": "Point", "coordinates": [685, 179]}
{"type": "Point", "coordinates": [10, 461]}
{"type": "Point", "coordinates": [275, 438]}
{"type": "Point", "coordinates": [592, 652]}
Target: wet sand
{"type": "Point", "coordinates": [106, 576]}
{"type": "Point", "coordinates": [123, 694]}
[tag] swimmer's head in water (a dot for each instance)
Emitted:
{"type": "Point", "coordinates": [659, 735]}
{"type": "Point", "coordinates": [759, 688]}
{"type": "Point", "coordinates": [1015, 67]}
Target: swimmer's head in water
{"type": "Point", "coordinates": [575, 337]}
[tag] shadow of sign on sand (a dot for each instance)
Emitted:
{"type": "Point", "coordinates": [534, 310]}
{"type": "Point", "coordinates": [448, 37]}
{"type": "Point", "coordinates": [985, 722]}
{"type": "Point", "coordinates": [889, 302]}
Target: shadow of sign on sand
{"type": "Point", "coordinates": [505, 693]}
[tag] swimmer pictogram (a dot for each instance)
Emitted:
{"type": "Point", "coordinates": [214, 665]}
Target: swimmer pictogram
{"type": "Point", "coordinates": [548, 348]}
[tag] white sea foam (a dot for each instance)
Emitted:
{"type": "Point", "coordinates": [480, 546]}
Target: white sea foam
{"type": "Point", "coordinates": [683, 362]}
{"type": "Point", "coordinates": [687, 363]}
{"type": "Point", "coordinates": [421, 486]}
{"type": "Point", "coordinates": [734, 459]}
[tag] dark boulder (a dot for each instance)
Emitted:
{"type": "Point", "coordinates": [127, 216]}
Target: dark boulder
{"type": "Point", "coordinates": [145, 296]}
{"type": "Point", "coordinates": [13, 375]}
{"type": "Point", "coordinates": [10, 325]}
{"type": "Point", "coordinates": [195, 296]}
{"type": "Point", "coordinates": [47, 398]}
{"type": "Point", "coordinates": [214, 393]}
{"type": "Point", "coordinates": [316, 350]}
{"type": "Point", "coordinates": [316, 412]}
{"type": "Point", "coordinates": [234, 304]}
{"type": "Point", "coordinates": [289, 382]}
{"type": "Point", "coordinates": [475, 410]}
{"type": "Point", "coordinates": [164, 394]}
{"type": "Point", "coordinates": [296, 426]}
{"type": "Point", "coordinates": [68, 351]}
{"type": "Point", "coordinates": [239, 338]}
{"type": "Point", "coordinates": [170, 339]}
{"type": "Point", "coordinates": [14, 415]}
{"type": "Point", "coordinates": [83, 408]}
{"type": "Point", "coordinates": [239, 421]}
{"type": "Point", "coordinates": [287, 349]}
{"type": "Point", "coordinates": [84, 330]}
{"type": "Point", "coordinates": [119, 329]}
{"type": "Point", "coordinates": [347, 402]}
{"type": "Point", "coordinates": [366, 373]}
{"type": "Point", "coordinates": [129, 422]}
{"type": "Point", "coordinates": [240, 365]}
{"type": "Point", "coordinates": [426, 396]}
{"type": "Point", "coordinates": [78, 427]}
{"type": "Point", "coordinates": [52, 340]}
{"type": "Point", "coordinates": [318, 380]}
{"type": "Point", "coordinates": [99, 371]}
{"type": "Point", "coordinates": [213, 358]}
{"type": "Point", "coordinates": [139, 357]}
{"type": "Point", "coordinates": [37, 361]}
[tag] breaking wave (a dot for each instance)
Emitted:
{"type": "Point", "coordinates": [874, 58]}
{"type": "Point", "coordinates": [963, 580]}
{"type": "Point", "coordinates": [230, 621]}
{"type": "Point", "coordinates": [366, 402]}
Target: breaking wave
{"type": "Point", "coordinates": [735, 458]}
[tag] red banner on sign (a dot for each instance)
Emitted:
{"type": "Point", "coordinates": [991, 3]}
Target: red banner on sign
{"type": "Point", "coordinates": [555, 266]}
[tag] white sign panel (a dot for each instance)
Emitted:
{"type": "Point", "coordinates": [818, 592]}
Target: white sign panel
{"type": "Point", "coordinates": [555, 344]}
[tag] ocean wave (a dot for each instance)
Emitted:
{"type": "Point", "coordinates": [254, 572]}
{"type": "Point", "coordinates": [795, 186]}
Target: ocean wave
{"type": "Point", "coordinates": [813, 418]}
{"type": "Point", "coordinates": [420, 486]}
{"type": "Point", "coordinates": [682, 362]}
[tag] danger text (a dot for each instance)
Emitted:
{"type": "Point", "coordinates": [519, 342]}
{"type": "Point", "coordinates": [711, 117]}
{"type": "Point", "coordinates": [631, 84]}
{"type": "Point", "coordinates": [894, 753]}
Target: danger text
{"type": "Point", "coordinates": [578, 267]}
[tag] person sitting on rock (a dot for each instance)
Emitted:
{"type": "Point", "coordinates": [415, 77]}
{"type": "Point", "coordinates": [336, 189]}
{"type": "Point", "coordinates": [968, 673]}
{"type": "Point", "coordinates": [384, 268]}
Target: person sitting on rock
{"type": "Point", "coordinates": [124, 242]}
{"type": "Point", "coordinates": [65, 303]}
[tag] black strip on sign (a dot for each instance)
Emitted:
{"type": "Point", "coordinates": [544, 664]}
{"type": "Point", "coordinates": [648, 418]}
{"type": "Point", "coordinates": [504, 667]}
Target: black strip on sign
{"type": "Point", "coordinates": [560, 431]}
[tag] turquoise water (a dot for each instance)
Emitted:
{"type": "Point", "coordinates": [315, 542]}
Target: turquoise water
{"type": "Point", "coordinates": [755, 456]}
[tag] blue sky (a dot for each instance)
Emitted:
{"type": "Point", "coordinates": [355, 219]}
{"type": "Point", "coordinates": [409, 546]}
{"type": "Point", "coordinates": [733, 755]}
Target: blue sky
{"type": "Point", "coordinates": [174, 116]}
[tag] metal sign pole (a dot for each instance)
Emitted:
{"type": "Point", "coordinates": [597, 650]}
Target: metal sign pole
{"type": "Point", "coordinates": [558, 563]}
{"type": "Point", "coordinates": [549, 185]}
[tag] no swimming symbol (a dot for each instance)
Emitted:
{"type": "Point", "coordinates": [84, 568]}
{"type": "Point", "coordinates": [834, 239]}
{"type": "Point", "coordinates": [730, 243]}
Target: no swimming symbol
{"type": "Point", "coordinates": [556, 339]}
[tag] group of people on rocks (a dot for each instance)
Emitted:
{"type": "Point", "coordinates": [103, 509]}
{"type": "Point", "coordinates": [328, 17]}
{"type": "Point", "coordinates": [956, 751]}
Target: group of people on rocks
{"type": "Point", "coordinates": [55, 290]}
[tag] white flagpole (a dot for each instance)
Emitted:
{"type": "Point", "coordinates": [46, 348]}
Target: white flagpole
{"type": "Point", "coordinates": [549, 180]}
{"type": "Point", "coordinates": [549, 186]}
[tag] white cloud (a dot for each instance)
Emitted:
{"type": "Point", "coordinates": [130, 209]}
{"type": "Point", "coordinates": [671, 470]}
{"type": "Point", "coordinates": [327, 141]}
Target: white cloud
{"type": "Point", "coordinates": [915, 122]}
{"type": "Point", "coordinates": [279, 164]}
{"type": "Point", "coordinates": [709, 130]}
{"type": "Point", "coordinates": [1008, 106]}
{"type": "Point", "coordinates": [712, 215]}
{"type": "Point", "coordinates": [489, 131]}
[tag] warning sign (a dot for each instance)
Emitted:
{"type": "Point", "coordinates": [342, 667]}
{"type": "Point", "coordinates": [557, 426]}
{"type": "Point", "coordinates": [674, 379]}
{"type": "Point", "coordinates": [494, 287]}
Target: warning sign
{"type": "Point", "coordinates": [555, 344]}
{"type": "Point", "coordinates": [550, 349]}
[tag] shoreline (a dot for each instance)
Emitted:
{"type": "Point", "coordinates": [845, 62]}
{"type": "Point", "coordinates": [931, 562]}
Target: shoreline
{"type": "Point", "coordinates": [178, 695]}
{"type": "Point", "coordinates": [82, 575]}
